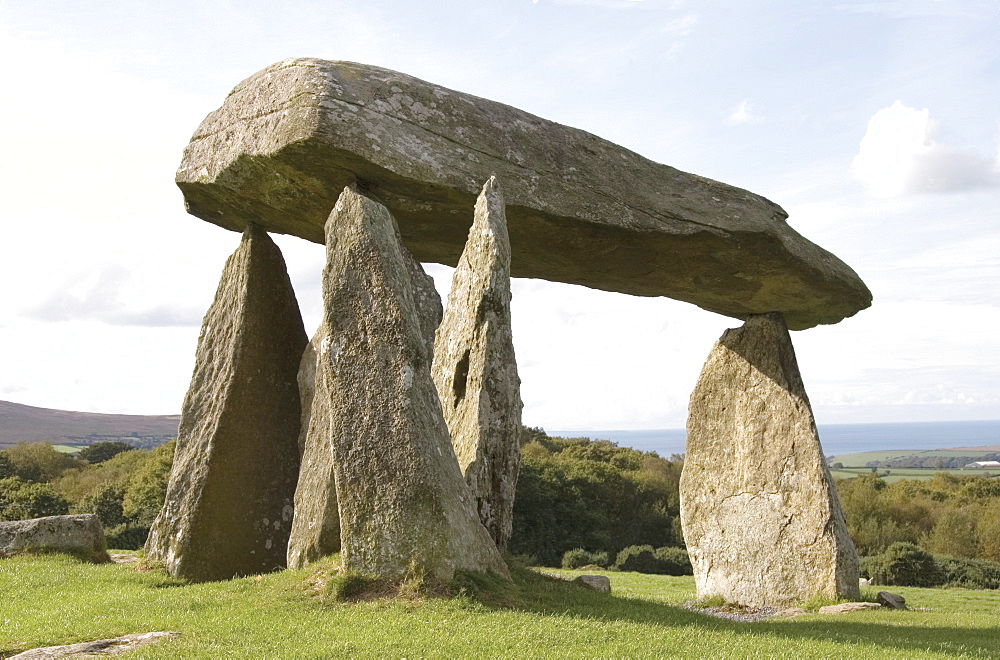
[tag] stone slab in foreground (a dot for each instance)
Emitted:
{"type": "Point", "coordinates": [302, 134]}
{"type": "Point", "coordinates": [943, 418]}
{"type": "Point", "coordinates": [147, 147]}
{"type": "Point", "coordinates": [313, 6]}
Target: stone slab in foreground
{"type": "Point", "coordinates": [761, 518]}
{"type": "Point", "coordinates": [101, 647]}
{"type": "Point", "coordinates": [580, 209]}
{"type": "Point", "coordinates": [81, 535]}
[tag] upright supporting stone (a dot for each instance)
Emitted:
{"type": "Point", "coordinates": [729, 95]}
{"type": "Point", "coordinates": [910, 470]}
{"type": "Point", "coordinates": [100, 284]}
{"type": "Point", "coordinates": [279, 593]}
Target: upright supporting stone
{"type": "Point", "coordinates": [228, 508]}
{"type": "Point", "coordinates": [475, 371]}
{"type": "Point", "coordinates": [316, 525]}
{"type": "Point", "coordinates": [761, 518]}
{"type": "Point", "coordinates": [403, 502]}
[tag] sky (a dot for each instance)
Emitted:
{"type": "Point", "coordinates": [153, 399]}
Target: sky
{"type": "Point", "coordinates": [876, 125]}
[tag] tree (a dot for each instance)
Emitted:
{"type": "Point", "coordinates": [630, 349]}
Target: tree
{"type": "Point", "coordinates": [21, 500]}
{"type": "Point", "coordinates": [955, 535]}
{"type": "Point", "coordinates": [38, 461]}
{"type": "Point", "coordinates": [102, 451]}
{"type": "Point", "coordinates": [148, 486]}
{"type": "Point", "coordinates": [6, 467]}
{"type": "Point", "coordinates": [107, 504]}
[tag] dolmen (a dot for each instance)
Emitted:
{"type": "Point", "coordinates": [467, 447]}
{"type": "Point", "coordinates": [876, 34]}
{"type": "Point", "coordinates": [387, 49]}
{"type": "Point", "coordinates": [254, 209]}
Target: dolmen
{"type": "Point", "coordinates": [391, 437]}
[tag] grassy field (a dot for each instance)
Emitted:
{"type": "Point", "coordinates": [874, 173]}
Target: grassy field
{"type": "Point", "coordinates": [859, 459]}
{"type": "Point", "coordinates": [56, 600]}
{"type": "Point", "coordinates": [896, 474]}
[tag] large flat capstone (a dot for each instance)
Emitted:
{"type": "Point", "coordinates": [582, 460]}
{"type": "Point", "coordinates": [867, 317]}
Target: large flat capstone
{"type": "Point", "coordinates": [580, 209]}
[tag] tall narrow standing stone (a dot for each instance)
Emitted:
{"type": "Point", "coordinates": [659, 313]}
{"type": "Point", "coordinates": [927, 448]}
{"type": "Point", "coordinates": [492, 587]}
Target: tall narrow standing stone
{"type": "Point", "coordinates": [316, 525]}
{"type": "Point", "coordinates": [403, 502]}
{"type": "Point", "coordinates": [761, 518]}
{"type": "Point", "coordinates": [228, 508]}
{"type": "Point", "coordinates": [475, 371]}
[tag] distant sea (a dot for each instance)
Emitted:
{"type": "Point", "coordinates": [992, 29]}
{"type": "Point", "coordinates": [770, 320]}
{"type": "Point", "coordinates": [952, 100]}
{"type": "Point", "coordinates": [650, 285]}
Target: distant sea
{"type": "Point", "coordinates": [836, 438]}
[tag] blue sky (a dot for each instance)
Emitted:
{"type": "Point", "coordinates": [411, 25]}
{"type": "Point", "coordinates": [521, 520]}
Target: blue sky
{"type": "Point", "coordinates": [874, 124]}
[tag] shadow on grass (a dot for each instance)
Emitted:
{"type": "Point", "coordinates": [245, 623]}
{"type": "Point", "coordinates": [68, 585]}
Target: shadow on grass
{"type": "Point", "coordinates": [546, 595]}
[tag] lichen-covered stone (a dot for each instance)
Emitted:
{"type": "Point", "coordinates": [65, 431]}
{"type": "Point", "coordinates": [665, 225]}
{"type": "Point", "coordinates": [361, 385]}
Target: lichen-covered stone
{"type": "Point", "coordinates": [80, 534]}
{"type": "Point", "coordinates": [404, 505]}
{"type": "Point", "coordinates": [761, 518]}
{"type": "Point", "coordinates": [316, 524]}
{"type": "Point", "coordinates": [475, 370]}
{"type": "Point", "coordinates": [581, 209]}
{"type": "Point", "coordinates": [228, 509]}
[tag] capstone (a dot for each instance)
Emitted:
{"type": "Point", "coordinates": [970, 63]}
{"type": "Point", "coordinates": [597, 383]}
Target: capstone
{"type": "Point", "coordinates": [404, 506]}
{"type": "Point", "coordinates": [475, 370]}
{"type": "Point", "coordinates": [581, 210]}
{"type": "Point", "coordinates": [228, 508]}
{"type": "Point", "coordinates": [761, 518]}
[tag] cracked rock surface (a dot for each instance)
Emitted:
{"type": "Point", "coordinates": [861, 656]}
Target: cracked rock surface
{"type": "Point", "coordinates": [475, 370]}
{"type": "Point", "coordinates": [228, 509]}
{"type": "Point", "coordinates": [404, 505]}
{"type": "Point", "coordinates": [580, 209]}
{"type": "Point", "coordinates": [761, 518]}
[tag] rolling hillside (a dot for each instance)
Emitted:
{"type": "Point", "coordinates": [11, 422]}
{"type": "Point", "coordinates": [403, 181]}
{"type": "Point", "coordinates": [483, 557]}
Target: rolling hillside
{"type": "Point", "coordinates": [19, 423]}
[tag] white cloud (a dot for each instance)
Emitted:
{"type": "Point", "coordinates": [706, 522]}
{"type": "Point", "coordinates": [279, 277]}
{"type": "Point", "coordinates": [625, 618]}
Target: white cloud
{"type": "Point", "coordinates": [900, 154]}
{"type": "Point", "coordinates": [742, 114]}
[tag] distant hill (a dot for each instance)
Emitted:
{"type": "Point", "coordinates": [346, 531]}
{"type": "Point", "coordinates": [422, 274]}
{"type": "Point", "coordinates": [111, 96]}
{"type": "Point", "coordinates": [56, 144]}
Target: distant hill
{"type": "Point", "coordinates": [20, 423]}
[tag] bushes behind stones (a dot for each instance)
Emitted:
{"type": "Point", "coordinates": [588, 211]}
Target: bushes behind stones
{"type": "Point", "coordinates": [904, 564]}
{"type": "Point", "coordinates": [578, 558]}
{"type": "Point", "coordinates": [661, 561]}
{"type": "Point", "coordinates": [969, 573]}
{"type": "Point", "coordinates": [908, 565]}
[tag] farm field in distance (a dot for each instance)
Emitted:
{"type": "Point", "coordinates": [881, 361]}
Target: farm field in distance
{"type": "Point", "coordinates": [855, 464]}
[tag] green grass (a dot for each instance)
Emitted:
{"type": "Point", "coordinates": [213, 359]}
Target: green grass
{"type": "Point", "coordinates": [859, 459]}
{"type": "Point", "coordinates": [68, 449]}
{"type": "Point", "coordinates": [49, 600]}
{"type": "Point", "coordinates": [896, 474]}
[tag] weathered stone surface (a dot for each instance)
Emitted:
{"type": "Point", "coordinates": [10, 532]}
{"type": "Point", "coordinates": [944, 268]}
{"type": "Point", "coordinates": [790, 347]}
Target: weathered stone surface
{"type": "Point", "coordinates": [600, 583]}
{"type": "Point", "coordinates": [80, 534]}
{"type": "Point", "coordinates": [844, 608]}
{"type": "Point", "coordinates": [581, 209]}
{"type": "Point", "coordinates": [761, 519]}
{"type": "Point", "coordinates": [889, 599]}
{"type": "Point", "coordinates": [475, 371]}
{"type": "Point", "coordinates": [228, 509]}
{"type": "Point", "coordinates": [316, 523]}
{"type": "Point", "coordinates": [101, 647]}
{"type": "Point", "coordinates": [403, 502]}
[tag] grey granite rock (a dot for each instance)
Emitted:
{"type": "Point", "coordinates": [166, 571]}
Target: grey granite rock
{"type": "Point", "coordinates": [761, 518]}
{"type": "Point", "coordinates": [475, 370]}
{"type": "Point", "coordinates": [316, 523]}
{"type": "Point", "coordinates": [80, 534]}
{"type": "Point", "coordinates": [404, 506]}
{"type": "Point", "coordinates": [228, 509]}
{"type": "Point", "coordinates": [581, 210]}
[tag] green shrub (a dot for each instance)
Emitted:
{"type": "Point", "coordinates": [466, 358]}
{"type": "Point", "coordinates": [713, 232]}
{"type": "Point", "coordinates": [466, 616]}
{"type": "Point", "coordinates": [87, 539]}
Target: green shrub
{"type": "Point", "coordinates": [906, 565]}
{"type": "Point", "coordinates": [969, 573]}
{"type": "Point", "coordinates": [579, 558]}
{"type": "Point", "coordinates": [20, 500]}
{"type": "Point", "coordinates": [673, 561]}
{"type": "Point", "coordinates": [102, 451]}
{"type": "Point", "coordinates": [127, 538]}
{"type": "Point", "coordinates": [638, 558]}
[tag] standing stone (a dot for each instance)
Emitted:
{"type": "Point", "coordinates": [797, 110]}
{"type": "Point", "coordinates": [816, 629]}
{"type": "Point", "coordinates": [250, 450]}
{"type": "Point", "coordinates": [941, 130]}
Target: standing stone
{"type": "Point", "coordinates": [228, 508]}
{"type": "Point", "coordinates": [404, 505]}
{"type": "Point", "coordinates": [475, 371]}
{"type": "Point", "coordinates": [761, 518]}
{"type": "Point", "coordinates": [316, 524]}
